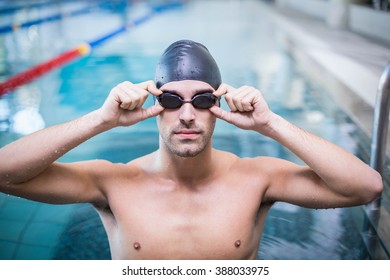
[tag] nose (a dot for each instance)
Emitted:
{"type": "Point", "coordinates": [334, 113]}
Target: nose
{"type": "Point", "coordinates": [187, 113]}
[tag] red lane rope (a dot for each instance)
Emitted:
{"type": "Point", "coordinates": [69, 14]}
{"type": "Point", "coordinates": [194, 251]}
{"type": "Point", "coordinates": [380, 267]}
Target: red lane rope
{"type": "Point", "coordinates": [82, 49]}
{"type": "Point", "coordinates": [40, 69]}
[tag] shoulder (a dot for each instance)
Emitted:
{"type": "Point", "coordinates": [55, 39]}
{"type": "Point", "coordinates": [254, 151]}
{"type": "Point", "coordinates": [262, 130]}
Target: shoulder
{"type": "Point", "coordinates": [267, 164]}
{"type": "Point", "coordinates": [268, 169]}
{"type": "Point", "coordinates": [102, 171]}
{"type": "Point", "coordinates": [256, 166]}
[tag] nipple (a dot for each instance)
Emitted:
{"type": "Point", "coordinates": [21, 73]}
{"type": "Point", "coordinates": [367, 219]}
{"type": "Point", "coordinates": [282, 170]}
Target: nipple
{"type": "Point", "coordinates": [137, 246]}
{"type": "Point", "coordinates": [237, 243]}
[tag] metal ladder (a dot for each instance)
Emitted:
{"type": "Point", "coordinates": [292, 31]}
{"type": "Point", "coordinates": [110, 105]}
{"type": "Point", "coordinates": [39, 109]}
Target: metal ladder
{"type": "Point", "coordinates": [377, 161]}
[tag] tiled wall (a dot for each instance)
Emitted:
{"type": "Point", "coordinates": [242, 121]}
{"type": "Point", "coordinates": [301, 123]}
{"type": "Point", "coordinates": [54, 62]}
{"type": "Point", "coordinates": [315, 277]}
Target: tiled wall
{"type": "Point", "coordinates": [30, 230]}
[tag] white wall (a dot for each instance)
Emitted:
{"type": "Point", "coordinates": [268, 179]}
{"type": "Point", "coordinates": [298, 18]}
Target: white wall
{"type": "Point", "coordinates": [344, 14]}
{"type": "Point", "coordinates": [314, 8]}
{"type": "Point", "coordinates": [370, 22]}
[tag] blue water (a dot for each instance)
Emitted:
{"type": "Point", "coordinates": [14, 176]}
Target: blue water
{"type": "Point", "coordinates": [241, 37]}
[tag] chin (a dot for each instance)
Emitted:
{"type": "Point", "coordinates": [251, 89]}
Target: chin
{"type": "Point", "coordinates": [188, 153]}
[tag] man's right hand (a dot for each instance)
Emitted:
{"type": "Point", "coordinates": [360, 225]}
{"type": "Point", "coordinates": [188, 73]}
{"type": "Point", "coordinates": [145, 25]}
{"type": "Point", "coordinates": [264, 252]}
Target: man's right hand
{"type": "Point", "coordinates": [123, 106]}
{"type": "Point", "coordinates": [28, 168]}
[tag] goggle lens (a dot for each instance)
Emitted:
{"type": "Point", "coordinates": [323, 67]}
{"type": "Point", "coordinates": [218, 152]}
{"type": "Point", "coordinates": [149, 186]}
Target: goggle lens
{"type": "Point", "coordinates": [170, 101]}
{"type": "Point", "coordinates": [200, 101]}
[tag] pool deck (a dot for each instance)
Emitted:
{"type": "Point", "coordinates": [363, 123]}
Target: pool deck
{"type": "Point", "coordinates": [342, 61]}
{"type": "Point", "coordinates": [349, 66]}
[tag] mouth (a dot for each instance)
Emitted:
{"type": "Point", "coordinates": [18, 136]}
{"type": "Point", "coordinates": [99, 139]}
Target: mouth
{"type": "Point", "coordinates": [187, 133]}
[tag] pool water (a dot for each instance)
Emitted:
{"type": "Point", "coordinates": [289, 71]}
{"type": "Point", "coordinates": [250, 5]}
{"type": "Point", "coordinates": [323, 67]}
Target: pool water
{"type": "Point", "coordinates": [244, 43]}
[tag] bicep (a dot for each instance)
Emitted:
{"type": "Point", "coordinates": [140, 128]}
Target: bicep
{"type": "Point", "coordinates": [63, 183]}
{"type": "Point", "coordinates": [300, 185]}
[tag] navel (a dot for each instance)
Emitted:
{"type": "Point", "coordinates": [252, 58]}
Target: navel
{"type": "Point", "coordinates": [137, 246]}
{"type": "Point", "coordinates": [237, 243]}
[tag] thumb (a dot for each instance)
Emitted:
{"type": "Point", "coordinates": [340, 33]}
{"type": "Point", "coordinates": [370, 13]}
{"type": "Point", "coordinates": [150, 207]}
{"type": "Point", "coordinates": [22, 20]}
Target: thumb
{"type": "Point", "coordinates": [221, 114]}
{"type": "Point", "coordinates": [152, 111]}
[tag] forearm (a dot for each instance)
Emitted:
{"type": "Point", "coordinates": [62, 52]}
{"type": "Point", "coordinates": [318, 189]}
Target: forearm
{"type": "Point", "coordinates": [27, 157]}
{"type": "Point", "coordinates": [340, 170]}
{"type": "Point", "coordinates": [332, 175]}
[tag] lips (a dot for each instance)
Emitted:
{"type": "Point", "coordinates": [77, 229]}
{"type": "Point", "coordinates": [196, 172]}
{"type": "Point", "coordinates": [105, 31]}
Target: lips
{"type": "Point", "coordinates": [187, 133]}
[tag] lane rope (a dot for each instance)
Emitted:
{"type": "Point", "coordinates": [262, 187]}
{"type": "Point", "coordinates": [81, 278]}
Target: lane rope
{"type": "Point", "coordinates": [82, 49]}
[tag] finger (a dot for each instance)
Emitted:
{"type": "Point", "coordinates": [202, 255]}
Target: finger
{"type": "Point", "coordinates": [229, 88]}
{"type": "Point", "coordinates": [248, 101]}
{"type": "Point", "coordinates": [231, 104]}
{"type": "Point", "coordinates": [244, 98]}
{"type": "Point", "coordinates": [252, 97]}
{"type": "Point", "coordinates": [236, 100]}
{"type": "Point", "coordinates": [126, 84]}
{"type": "Point", "coordinates": [223, 89]}
{"type": "Point", "coordinates": [221, 114]}
{"type": "Point", "coordinates": [142, 101]}
{"type": "Point", "coordinates": [137, 94]}
{"type": "Point", "coordinates": [247, 104]}
{"type": "Point", "coordinates": [133, 88]}
{"type": "Point", "coordinates": [229, 100]}
{"type": "Point", "coordinates": [152, 88]}
{"type": "Point", "coordinates": [152, 111]}
{"type": "Point", "coordinates": [144, 84]}
{"type": "Point", "coordinates": [131, 100]}
{"type": "Point", "coordinates": [123, 98]}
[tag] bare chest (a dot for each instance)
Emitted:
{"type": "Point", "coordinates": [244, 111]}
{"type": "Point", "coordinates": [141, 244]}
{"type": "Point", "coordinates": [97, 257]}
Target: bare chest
{"type": "Point", "coordinates": [184, 225]}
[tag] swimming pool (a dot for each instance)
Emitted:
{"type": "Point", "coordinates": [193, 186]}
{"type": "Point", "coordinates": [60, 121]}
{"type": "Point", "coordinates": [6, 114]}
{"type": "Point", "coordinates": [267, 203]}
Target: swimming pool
{"type": "Point", "coordinates": [243, 41]}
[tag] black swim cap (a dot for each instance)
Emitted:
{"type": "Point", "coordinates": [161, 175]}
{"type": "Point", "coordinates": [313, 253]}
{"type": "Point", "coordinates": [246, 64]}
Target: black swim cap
{"type": "Point", "coordinates": [187, 60]}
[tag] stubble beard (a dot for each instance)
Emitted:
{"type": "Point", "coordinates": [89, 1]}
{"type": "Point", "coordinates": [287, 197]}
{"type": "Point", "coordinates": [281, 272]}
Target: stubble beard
{"type": "Point", "coordinates": [187, 147]}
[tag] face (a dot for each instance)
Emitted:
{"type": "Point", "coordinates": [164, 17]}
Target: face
{"type": "Point", "coordinates": [186, 131]}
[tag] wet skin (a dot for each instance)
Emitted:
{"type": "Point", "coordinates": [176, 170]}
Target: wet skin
{"type": "Point", "coordinates": [186, 200]}
{"type": "Point", "coordinates": [154, 217]}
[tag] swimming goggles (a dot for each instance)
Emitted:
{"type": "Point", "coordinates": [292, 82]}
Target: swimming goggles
{"type": "Point", "coordinates": [200, 101]}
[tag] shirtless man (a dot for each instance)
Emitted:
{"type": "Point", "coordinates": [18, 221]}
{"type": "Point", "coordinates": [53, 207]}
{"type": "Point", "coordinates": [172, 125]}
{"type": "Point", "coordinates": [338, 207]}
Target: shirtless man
{"type": "Point", "coordinates": [186, 200]}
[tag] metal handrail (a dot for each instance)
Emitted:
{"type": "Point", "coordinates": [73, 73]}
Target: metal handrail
{"type": "Point", "coordinates": [381, 121]}
{"type": "Point", "coordinates": [378, 142]}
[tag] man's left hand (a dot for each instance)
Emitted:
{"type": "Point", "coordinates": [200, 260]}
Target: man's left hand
{"type": "Point", "coordinates": [248, 108]}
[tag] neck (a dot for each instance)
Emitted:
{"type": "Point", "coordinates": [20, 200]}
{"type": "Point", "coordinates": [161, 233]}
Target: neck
{"type": "Point", "coordinates": [186, 170]}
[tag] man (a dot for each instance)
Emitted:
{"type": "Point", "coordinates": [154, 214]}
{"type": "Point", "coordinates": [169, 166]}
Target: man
{"type": "Point", "coordinates": [186, 200]}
